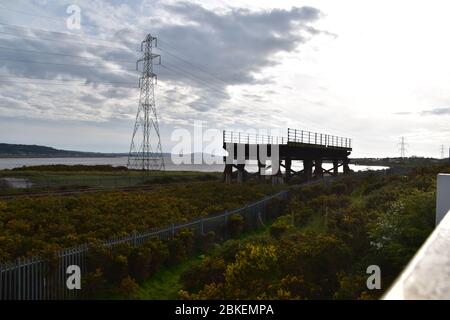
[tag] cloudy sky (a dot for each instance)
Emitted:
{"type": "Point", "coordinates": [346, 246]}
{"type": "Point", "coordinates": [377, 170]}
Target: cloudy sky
{"type": "Point", "coordinates": [369, 70]}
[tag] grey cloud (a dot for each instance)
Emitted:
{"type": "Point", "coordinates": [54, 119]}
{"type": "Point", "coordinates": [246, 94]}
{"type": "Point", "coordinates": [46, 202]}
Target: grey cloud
{"type": "Point", "coordinates": [236, 44]}
{"type": "Point", "coordinates": [231, 47]}
{"type": "Point", "coordinates": [402, 113]}
{"type": "Point", "coordinates": [437, 111]}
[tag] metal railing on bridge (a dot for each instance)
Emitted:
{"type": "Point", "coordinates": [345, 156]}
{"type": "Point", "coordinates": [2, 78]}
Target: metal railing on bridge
{"type": "Point", "coordinates": [294, 135]}
{"type": "Point", "coordinates": [308, 137]}
{"type": "Point", "coordinates": [247, 138]}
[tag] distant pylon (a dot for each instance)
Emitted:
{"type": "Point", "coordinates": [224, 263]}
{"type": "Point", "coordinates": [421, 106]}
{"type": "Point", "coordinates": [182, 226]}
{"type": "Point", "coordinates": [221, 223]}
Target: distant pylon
{"type": "Point", "coordinates": [442, 152]}
{"type": "Point", "coordinates": [403, 146]}
{"type": "Point", "coordinates": [145, 150]}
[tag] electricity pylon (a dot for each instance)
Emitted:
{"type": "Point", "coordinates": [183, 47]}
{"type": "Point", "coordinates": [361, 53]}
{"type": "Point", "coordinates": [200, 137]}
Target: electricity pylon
{"type": "Point", "coordinates": [403, 146]}
{"type": "Point", "coordinates": [145, 150]}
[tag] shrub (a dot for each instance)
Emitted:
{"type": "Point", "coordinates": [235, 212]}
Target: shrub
{"type": "Point", "coordinates": [210, 270]}
{"type": "Point", "coordinates": [206, 241]}
{"type": "Point", "coordinates": [113, 263]}
{"type": "Point", "coordinates": [236, 225]}
{"type": "Point", "coordinates": [180, 246]}
{"type": "Point", "coordinates": [147, 259]}
{"type": "Point", "coordinates": [86, 218]}
{"type": "Point", "coordinates": [129, 289]}
{"type": "Point", "coordinates": [280, 226]}
{"type": "Point", "coordinates": [229, 249]}
{"type": "Point", "coordinates": [94, 283]}
{"type": "Point", "coordinates": [338, 188]}
{"type": "Point", "coordinates": [159, 253]}
{"type": "Point", "coordinates": [139, 263]}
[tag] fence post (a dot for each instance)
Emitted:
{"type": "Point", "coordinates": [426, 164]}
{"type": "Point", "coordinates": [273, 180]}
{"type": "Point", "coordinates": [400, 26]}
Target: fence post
{"type": "Point", "coordinates": [18, 265]}
{"type": "Point", "coordinates": [202, 230]}
{"type": "Point", "coordinates": [135, 238]}
{"type": "Point", "coordinates": [173, 230]}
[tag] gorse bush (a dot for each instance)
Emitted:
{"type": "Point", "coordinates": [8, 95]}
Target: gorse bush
{"type": "Point", "coordinates": [29, 226]}
{"type": "Point", "coordinates": [281, 226]}
{"type": "Point", "coordinates": [181, 246]}
{"type": "Point", "coordinates": [235, 225]}
{"type": "Point", "coordinates": [356, 222]}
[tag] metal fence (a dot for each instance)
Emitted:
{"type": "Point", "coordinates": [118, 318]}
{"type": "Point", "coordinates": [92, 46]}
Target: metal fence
{"type": "Point", "coordinates": [308, 137]}
{"type": "Point", "coordinates": [294, 135]}
{"type": "Point", "coordinates": [247, 138]}
{"type": "Point", "coordinates": [36, 278]}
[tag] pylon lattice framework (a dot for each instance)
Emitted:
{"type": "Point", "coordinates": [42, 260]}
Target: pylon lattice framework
{"type": "Point", "coordinates": [145, 150]}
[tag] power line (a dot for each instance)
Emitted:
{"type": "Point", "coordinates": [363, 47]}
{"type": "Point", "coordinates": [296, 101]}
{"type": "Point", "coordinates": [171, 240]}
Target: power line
{"type": "Point", "coordinates": [83, 36]}
{"type": "Point", "coordinates": [190, 75]}
{"type": "Point", "coordinates": [164, 42]}
{"type": "Point", "coordinates": [193, 65]}
{"type": "Point", "coordinates": [52, 18]}
{"type": "Point", "coordinates": [86, 81]}
{"type": "Point", "coordinates": [62, 54]}
{"type": "Point", "coordinates": [58, 40]}
{"type": "Point", "coordinates": [60, 84]}
{"type": "Point", "coordinates": [30, 14]}
{"type": "Point", "coordinates": [61, 64]}
{"type": "Point", "coordinates": [69, 80]}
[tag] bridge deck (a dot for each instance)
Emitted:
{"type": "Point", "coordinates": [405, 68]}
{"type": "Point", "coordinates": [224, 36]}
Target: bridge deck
{"type": "Point", "coordinates": [298, 145]}
{"type": "Point", "coordinates": [310, 147]}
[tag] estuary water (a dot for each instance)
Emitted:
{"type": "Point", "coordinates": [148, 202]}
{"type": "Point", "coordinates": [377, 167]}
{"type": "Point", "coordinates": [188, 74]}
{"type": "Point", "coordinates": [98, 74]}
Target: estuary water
{"type": "Point", "coordinates": [11, 163]}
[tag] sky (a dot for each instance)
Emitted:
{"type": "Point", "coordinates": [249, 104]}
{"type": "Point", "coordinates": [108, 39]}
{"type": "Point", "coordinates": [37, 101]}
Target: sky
{"type": "Point", "coordinates": [373, 71]}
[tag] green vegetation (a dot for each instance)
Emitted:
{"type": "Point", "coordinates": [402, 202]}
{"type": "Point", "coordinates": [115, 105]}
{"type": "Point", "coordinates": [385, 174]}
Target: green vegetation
{"type": "Point", "coordinates": [31, 226]}
{"type": "Point", "coordinates": [166, 284]}
{"type": "Point", "coordinates": [166, 281]}
{"type": "Point", "coordinates": [320, 248]}
{"type": "Point", "coordinates": [68, 177]}
{"type": "Point", "coordinates": [409, 162]}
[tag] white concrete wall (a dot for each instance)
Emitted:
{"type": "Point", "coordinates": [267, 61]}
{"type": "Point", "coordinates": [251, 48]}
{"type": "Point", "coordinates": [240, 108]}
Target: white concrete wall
{"type": "Point", "coordinates": [442, 196]}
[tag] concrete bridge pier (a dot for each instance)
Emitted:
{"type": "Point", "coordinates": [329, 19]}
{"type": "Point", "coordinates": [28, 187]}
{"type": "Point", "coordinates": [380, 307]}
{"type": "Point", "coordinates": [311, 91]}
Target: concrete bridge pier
{"type": "Point", "coordinates": [345, 165]}
{"type": "Point", "coordinates": [335, 167]}
{"type": "Point", "coordinates": [261, 167]}
{"type": "Point", "coordinates": [287, 166]}
{"type": "Point", "coordinates": [228, 173]}
{"type": "Point", "coordinates": [241, 173]}
{"type": "Point", "coordinates": [318, 171]}
{"type": "Point", "coordinates": [277, 177]}
{"type": "Point", "coordinates": [307, 169]}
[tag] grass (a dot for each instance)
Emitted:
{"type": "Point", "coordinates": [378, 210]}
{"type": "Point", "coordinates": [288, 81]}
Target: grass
{"type": "Point", "coordinates": [316, 224]}
{"type": "Point", "coordinates": [44, 179]}
{"type": "Point", "coordinates": [165, 284]}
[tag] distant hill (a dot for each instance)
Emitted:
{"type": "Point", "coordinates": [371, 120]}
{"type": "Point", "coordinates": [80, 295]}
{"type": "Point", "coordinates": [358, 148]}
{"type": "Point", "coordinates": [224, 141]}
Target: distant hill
{"type": "Point", "coordinates": [8, 150]}
{"type": "Point", "coordinates": [33, 151]}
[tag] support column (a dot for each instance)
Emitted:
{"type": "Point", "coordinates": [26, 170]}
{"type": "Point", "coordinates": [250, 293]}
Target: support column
{"type": "Point", "coordinates": [228, 173]}
{"type": "Point", "coordinates": [288, 165]}
{"type": "Point", "coordinates": [335, 167]}
{"type": "Point", "coordinates": [240, 173]}
{"type": "Point", "coordinates": [261, 166]}
{"type": "Point", "coordinates": [318, 172]}
{"type": "Point", "coordinates": [307, 169]}
{"type": "Point", "coordinates": [345, 165]}
{"type": "Point", "coordinates": [277, 177]}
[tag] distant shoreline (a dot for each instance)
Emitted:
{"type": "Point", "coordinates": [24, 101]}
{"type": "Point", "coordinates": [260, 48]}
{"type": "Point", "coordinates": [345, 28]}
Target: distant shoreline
{"type": "Point", "coordinates": [63, 156]}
